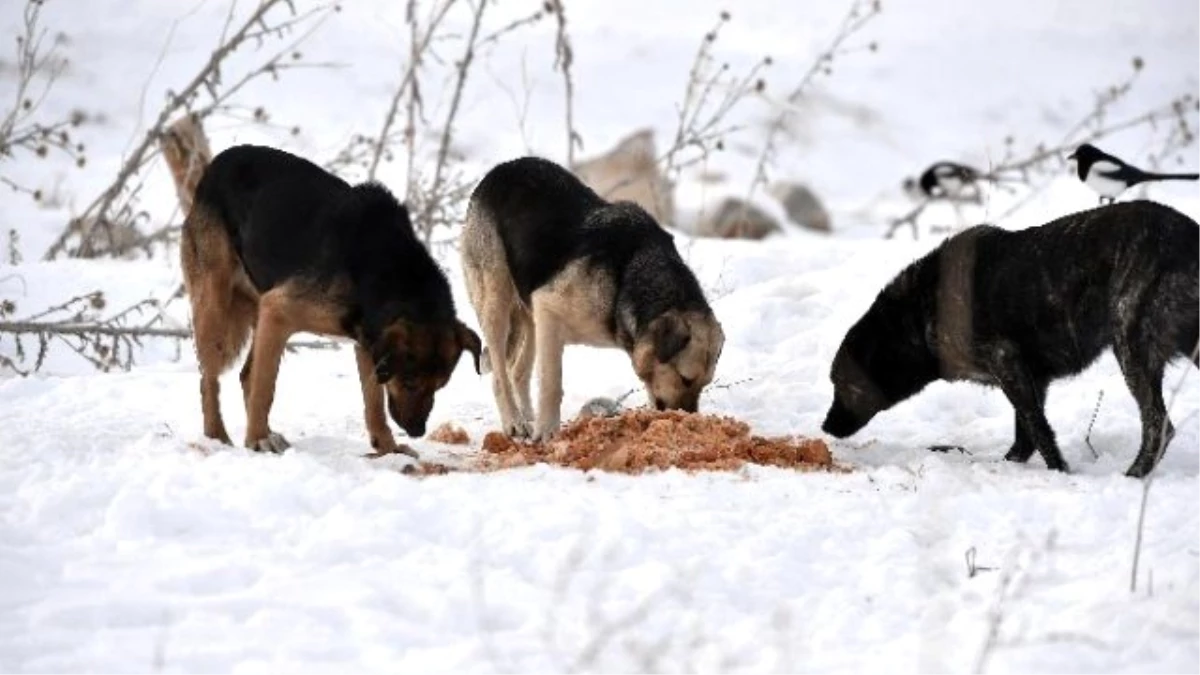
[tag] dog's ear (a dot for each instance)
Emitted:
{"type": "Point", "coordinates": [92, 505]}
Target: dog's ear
{"type": "Point", "coordinates": [383, 369]}
{"type": "Point", "coordinates": [671, 335]}
{"type": "Point", "coordinates": [469, 340]}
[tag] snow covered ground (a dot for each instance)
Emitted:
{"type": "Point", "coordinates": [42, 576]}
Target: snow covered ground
{"type": "Point", "coordinates": [127, 543]}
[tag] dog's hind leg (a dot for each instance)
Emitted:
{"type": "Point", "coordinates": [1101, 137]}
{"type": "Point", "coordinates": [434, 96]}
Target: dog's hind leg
{"type": "Point", "coordinates": [1023, 448]}
{"type": "Point", "coordinates": [1027, 397]}
{"type": "Point", "coordinates": [1143, 372]}
{"type": "Point", "coordinates": [494, 297]}
{"type": "Point", "coordinates": [218, 332]}
{"type": "Point", "coordinates": [520, 358]}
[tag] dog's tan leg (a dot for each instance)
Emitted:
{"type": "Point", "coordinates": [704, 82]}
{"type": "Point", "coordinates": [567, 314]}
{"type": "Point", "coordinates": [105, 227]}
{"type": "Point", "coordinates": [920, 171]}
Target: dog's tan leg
{"type": "Point", "coordinates": [245, 310]}
{"type": "Point", "coordinates": [382, 439]}
{"type": "Point", "coordinates": [493, 304]}
{"type": "Point", "coordinates": [549, 345]}
{"type": "Point", "coordinates": [209, 339]}
{"type": "Point", "coordinates": [520, 365]}
{"type": "Point", "coordinates": [218, 333]}
{"type": "Point", "coordinates": [270, 336]}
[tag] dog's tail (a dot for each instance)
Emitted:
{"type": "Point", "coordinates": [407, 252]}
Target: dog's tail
{"type": "Point", "coordinates": [222, 316]}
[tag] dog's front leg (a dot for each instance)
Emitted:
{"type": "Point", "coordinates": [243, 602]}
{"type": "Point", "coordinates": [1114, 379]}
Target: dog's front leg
{"type": "Point", "coordinates": [1023, 448]}
{"type": "Point", "coordinates": [1026, 396]}
{"type": "Point", "coordinates": [270, 336]}
{"type": "Point", "coordinates": [382, 439]}
{"type": "Point", "coordinates": [549, 344]}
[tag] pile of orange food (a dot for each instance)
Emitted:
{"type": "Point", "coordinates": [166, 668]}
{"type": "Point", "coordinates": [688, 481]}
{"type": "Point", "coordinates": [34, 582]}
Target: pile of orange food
{"type": "Point", "coordinates": [641, 440]}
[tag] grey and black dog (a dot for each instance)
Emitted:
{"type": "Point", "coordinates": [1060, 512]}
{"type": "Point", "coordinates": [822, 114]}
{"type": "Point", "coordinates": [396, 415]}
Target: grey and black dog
{"type": "Point", "coordinates": [548, 263]}
{"type": "Point", "coordinates": [1020, 309]}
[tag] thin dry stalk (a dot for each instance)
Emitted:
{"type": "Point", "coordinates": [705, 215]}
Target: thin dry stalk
{"type": "Point", "coordinates": [1149, 477]}
{"type": "Point", "coordinates": [564, 56]}
{"type": "Point", "coordinates": [440, 197]}
{"type": "Point", "coordinates": [860, 14]}
{"type": "Point", "coordinates": [709, 98]}
{"type": "Point", "coordinates": [419, 43]}
{"type": "Point", "coordinates": [19, 128]}
{"type": "Point", "coordinates": [98, 226]}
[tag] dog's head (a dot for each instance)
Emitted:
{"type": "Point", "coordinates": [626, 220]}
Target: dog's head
{"type": "Point", "coordinates": [675, 357]}
{"type": "Point", "coordinates": [413, 361]}
{"type": "Point", "coordinates": [883, 360]}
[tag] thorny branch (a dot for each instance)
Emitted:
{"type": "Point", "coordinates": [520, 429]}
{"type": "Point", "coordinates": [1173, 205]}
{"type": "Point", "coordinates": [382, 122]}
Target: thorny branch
{"type": "Point", "coordinates": [105, 342]}
{"type": "Point", "coordinates": [701, 117]}
{"type": "Point", "coordinates": [860, 14]}
{"type": "Point", "coordinates": [564, 56]}
{"type": "Point", "coordinates": [436, 201]}
{"type": "Point", "coordinates": [18, 128]}
{"type": "Point", "coordinates": [418, 46]}
{"type": "Point", "coordinates": [1038, 168]}
{"type": "Point", "coordinates": [96, 227]}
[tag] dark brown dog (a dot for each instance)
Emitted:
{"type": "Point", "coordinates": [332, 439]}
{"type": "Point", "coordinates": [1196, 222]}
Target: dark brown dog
{"type": "Point", "coordinates": [276, 243]}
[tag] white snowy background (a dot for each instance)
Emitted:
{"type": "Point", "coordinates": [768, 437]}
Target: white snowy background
{"type": "Point", "coordinates": [124, 549]}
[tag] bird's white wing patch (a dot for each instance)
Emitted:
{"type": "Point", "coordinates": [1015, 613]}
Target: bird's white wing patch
{"type": "Point", "coordinates": [1105, 167]}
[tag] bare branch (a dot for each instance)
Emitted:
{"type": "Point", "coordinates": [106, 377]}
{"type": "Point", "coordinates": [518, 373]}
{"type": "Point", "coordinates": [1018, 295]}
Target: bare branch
{"type": "Point", "coordinates": [102, 216]}
{"type": "Point", "coordinates": [418, 46]}
{"type": "Point", "coordinates": [19, 130]}
{"type": "Point", "coordinates": [437, 196]}
{"type": "Point", "coordinates": [564, 56]}
{"type": "Point", "coordinates": [702, 115]}
{"type": "Point", "coordinates": [105, 342]}
{"type": "Point", "coordinates": [860, 14]}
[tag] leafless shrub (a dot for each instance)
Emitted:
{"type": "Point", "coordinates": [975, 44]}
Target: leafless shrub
{"type": "Point", "coordinates": [436, 195]}
{"type": "Point", "coordinates": [105, 342]}
{"type": "Point", "coordinates": [710, 96]}
{"type": "Point", "coordinates": [1173, 122]}
{"type": "Point", "coordinates": [38, 67]}
{"type": "Point", "coordinates": [109, 224]}
{"type": "Point", "coordinates": [564, 56]}
{"type": "Point", "coordinates": [860, 14]}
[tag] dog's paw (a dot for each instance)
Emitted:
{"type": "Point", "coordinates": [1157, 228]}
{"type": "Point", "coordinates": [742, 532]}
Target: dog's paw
{"type": "Point", "coordinates": [273, 443]}
{"type": "Point", "coordinates": [396, 449]}
{"type": "Point", "coordinates": [544, 432]}
{"type": "Point", "coordinates": [1020, 452]}
{"type": "Point", "coordinates": [518, 429]}
{"type": "Point", "coordinates": [1139, 469]}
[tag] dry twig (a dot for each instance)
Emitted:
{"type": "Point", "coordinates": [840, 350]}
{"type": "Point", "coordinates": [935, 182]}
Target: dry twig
{"type": "Point", "coordinates": [20, 130]}
{"type": "Point", "coordinates": [103, 228]}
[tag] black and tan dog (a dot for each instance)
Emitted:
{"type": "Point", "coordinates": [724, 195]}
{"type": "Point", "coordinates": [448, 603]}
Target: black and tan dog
{"type": "Point", "coordinates": [1020, 309]}
{"type": "Point", "coordinates": [549, 263]}
{"type": "Point", "coordinates": [276, 243]}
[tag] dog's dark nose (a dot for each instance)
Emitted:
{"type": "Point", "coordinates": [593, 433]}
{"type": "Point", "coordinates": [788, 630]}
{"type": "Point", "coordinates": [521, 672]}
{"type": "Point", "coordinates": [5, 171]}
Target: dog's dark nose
{"type": "Point", "coordinates": [415, 429]}
{"type": "Point", "coordinates": [660, 404]}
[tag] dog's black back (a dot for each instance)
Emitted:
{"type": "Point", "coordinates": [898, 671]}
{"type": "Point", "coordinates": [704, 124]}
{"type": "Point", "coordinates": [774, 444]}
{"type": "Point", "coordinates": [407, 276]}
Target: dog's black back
{"type": "Point", "coordinates": [288, 218]}
{"type": "Point", "coordinates": [1020, 309]}
{"type": "Point", "coordinates": [1060, 290]}
{"type": "Point", "coordinates": [547, 218]}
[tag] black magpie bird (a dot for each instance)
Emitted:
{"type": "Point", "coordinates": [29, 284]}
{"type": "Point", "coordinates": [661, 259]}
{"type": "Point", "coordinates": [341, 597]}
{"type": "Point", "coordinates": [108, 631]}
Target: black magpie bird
{"type": "Point", "coordinates": [1109, 176]}
{"type": "Point", "coordinates": [946, 180]}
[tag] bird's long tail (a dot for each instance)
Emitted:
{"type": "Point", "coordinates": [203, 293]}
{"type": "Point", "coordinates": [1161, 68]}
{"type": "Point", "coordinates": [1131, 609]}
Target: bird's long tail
{"type": "Point", "coordinates": [1174, 176]}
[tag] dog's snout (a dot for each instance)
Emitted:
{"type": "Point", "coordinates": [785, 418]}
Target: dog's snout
{"type": "Point", "coordinates": [659, 403]}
